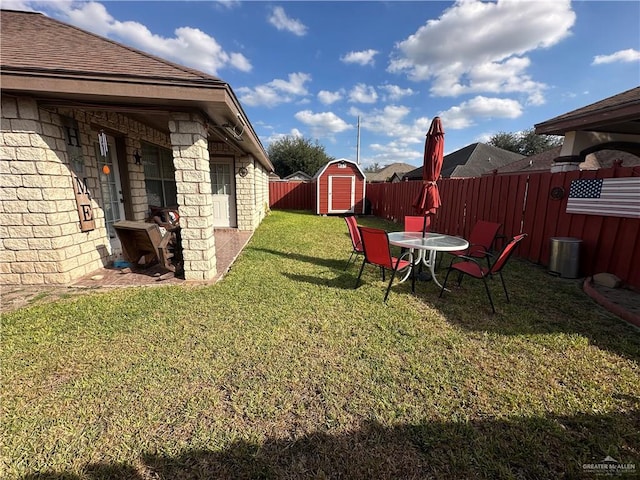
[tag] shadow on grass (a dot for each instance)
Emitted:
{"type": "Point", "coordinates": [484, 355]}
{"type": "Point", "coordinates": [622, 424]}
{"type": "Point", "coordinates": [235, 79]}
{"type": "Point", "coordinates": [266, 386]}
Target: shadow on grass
{"type": "Point", "coordinates": [551, 308]}
{"type": "Point", "coordinates": [322, 262]}
{"type": "Point", "coordinates": [346, 281]}
{"type": "Point", "coordinates": [524, 448]}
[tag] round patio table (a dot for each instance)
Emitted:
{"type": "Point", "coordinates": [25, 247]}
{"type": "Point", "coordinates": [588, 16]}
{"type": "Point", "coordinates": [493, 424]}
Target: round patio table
{"type": "Point", "coordinates": [432, 243]}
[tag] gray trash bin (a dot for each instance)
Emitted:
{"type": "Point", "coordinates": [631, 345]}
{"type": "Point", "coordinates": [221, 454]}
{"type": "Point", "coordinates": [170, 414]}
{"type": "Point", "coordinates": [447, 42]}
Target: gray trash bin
{"type": "Point", "coordinates": [564, 259]}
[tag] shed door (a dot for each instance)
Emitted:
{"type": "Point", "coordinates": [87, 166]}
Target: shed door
{"type": "Point", "coordinates": [342, 192]}
{"type": "Point", "coordinates": [224, 195]}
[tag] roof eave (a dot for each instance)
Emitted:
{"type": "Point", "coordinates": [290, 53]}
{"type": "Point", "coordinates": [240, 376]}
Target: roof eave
{"type": "Point", "coordinates": [215, 99]}
{"type": "Point", "coordinates": [590, 120]}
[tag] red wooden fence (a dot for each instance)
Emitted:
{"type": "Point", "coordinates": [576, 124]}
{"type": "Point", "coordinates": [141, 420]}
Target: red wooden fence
{"type": "Point", "coordinates": [521, 203]}
{"type": "Point", "coordinates": [292, 195]}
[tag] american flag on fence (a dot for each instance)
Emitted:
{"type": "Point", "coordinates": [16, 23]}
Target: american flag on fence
{"type": "Point", "coordinates": [615, 197]}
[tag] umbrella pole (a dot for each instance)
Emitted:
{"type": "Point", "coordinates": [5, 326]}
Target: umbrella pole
{"type": "Point", "coordinates": [424, 226]}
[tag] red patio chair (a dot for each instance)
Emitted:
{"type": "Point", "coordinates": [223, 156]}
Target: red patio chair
{"type": "Point", "coordinates": [377, 252]}
{"type": "Point", "coordinates": [356, 241]}
{"type": "Point", "coordinates": [471, 266]}
{"type": "Point", "coordinates": [415, 223]}
{"type": "Point", "coordinates": [481, 240]}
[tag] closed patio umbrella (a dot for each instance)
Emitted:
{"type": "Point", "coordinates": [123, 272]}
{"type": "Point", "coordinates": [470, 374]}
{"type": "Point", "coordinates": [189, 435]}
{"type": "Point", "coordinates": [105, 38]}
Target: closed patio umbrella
{"type": "Point", "coordinates": [428, 201]}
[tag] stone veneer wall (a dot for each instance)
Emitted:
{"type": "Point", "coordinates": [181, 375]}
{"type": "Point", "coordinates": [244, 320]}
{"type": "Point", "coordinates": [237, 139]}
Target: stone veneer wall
{"type": "Point", "coordinates": [191, 160]}
{"type": "Point", "coordinates": [252, 193]}
{"type": "Point", "coordinates": [40, 237]}
{"type": "Point", "coordinates": [245, 194]}
{"type": "Point", "coordinates": [262, 193]}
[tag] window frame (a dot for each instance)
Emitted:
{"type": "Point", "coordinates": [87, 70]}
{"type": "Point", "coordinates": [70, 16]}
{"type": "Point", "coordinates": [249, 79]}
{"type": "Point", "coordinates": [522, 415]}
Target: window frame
{"type": "Point", "coordinates": [160, 159]}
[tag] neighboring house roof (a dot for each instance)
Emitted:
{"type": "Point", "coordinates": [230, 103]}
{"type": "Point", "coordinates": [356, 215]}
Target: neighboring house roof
{"type": "Point", "coordinates": [299, 175]}
{"type": "Point", "coordinates": [396, 177]}
{"type": "Point", "coordinates": [339, 160]}
{"type": "Point", "coordinates": [543, 161]}
{"type": "Point", "coordinates": [385, 174]}
{"type": "Point", "coordinates": [67, 66]}
{"type": "Point", "coordinates": [539, 162]}
{"type": "Point", "coordinates": [471, 161]}
{"type": "Point", "coordinates": [617, 114]}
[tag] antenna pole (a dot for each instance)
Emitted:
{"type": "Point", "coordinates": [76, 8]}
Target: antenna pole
{"type": "Point", "coordinates": [358, 143]}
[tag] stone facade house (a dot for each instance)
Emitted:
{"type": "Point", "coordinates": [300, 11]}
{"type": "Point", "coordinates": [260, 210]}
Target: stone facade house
{"type": "Point", "coordinates": [94, 132]}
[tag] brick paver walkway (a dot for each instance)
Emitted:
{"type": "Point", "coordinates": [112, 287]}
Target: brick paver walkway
{"type": "Point", "coordinates": [229, 244]}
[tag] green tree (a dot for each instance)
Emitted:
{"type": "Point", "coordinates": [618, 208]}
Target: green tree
{"type": "Point", "coordinates": [373, 168]}
{"type": "Point", "coordinates": [525, 143]}
{"type": "Point", "coordinates": [290, 154]}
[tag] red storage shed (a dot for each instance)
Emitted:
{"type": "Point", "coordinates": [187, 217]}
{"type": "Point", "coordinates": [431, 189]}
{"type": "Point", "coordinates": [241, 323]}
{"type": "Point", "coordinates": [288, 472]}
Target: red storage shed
{"type": "Point", "coordinates": [340, 188]}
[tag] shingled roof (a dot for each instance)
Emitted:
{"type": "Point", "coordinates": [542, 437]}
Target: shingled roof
{"type": "Point", "coordinates": [543, 161]}
{"type": "Point", "coordinates": [471, 161]}
{"type": "Point", "coordinates": [387, 172]}
{"type": "Point", "coordinates": [617, 114]}
{"type": "Point", "coordinates": [57, 63]}
{"type": "Point", "coordinates": [31, 42]}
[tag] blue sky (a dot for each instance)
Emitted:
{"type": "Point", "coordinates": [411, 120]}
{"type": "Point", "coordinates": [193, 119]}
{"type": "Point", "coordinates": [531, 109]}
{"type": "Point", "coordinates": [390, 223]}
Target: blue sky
{"type": "Point", "coordinates": [312, 68]}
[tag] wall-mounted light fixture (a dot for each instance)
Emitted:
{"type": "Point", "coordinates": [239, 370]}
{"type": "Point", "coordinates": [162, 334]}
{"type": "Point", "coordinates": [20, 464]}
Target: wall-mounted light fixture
{"type": "Point", "coordinates": [137, 157]}
{"type": "Point", "coordinates": [235, 131]}
{"type": "Point", "coordinates": [243, 172]}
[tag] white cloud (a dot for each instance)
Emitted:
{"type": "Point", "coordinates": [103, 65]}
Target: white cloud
{"type": "Point", "coordinates": [362, 93]}
{"type": "Point", "coordinates": [479, 46]}
{"type": "Point", "coordinates": [623, 56]}
{"type": "Point", "coordinates": [364, 57]}
{"type": "Point", "coordinates": [327, 98]}
{"type": "Point", "coordinates": [281, 21]}
{"type": "Point", "coordinates": [464, 115]}
{"type": "Point", "coordinates": [227, 4]}
{"type": "Point", "coordinates": [276, 92]}
{"type": "Point", "coordinates": [279, 136]}
{"type": "Point", "coordinates": [392, 121]}
{"type": "Point", "coordinates": [394, 92]}
{"type": "Point", "coordinates": [392, 152]}
{"type": "Point", "coordinates": [324, 124]}
{"type": "Point", "coordinates": [21, 5]}
{"type": "Point", "coordinates": [190, 46]}
{"type": "Point", "coordinates": [295, 84]}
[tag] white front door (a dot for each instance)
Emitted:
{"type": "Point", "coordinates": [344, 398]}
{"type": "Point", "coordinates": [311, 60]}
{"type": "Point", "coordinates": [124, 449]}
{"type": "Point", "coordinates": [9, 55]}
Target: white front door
{"type": "Point", "coordinates": [224, 195]}
{"type": "Point", "coordinates": [111, 189]}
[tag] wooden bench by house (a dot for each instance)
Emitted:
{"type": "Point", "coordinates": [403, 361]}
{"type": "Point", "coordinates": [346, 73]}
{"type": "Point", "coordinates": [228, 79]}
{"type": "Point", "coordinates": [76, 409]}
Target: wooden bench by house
{"type": "Point", "coordinates": [142, 239]}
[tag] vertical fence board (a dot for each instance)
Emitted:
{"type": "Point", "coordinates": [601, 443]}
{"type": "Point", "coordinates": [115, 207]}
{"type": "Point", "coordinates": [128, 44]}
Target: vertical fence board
{"type": "Point", "coordinates": [511, 223]}
{"type": "Point", "coordinates": [576, 222]}
{"type": "Point", "coordinates": [529, 218]}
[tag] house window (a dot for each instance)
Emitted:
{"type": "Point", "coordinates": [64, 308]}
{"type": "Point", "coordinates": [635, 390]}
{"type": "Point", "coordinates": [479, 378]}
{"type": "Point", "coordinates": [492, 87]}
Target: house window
{"type": "Point", "coordinates": [159, 173]}
{"type": "Point", "coordinates": [221, 179]}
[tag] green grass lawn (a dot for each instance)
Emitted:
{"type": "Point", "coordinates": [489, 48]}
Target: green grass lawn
{"type": "Point", "coordinates": [283, 370]}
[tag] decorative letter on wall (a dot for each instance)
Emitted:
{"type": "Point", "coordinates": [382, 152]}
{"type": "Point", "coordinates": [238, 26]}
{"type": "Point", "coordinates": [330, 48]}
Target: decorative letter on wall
{"type": "Point", "coordinates": [76, 160]}
{"type": "Point", "coordinates": [83, 199]}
